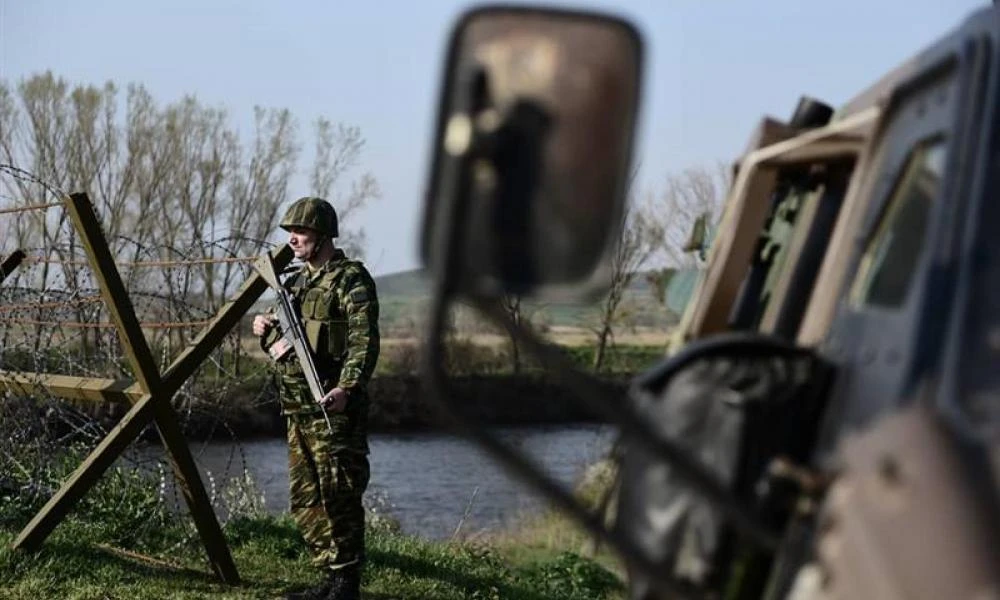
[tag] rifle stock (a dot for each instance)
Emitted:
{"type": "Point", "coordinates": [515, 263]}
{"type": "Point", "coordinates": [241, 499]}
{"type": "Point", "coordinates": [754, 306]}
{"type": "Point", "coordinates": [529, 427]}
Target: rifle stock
{"type": "Point", "coordinates": [292, 332]}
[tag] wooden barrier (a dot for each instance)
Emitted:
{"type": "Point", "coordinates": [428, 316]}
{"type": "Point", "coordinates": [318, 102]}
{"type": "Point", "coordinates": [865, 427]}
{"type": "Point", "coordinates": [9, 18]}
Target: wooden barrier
{"type": "Point", "coordinates": [150, 394]}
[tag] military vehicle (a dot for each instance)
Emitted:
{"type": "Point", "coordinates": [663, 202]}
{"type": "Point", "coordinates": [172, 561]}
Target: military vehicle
{"type": "Point", "coordinates": [827, 423]}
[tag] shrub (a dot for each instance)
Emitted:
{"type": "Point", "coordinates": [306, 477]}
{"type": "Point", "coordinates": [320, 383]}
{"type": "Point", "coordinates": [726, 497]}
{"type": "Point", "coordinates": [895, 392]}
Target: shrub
{"type": "Point", "coordinates": [125, 507]}
{"type": "Point", "coordinates": [618, 359]}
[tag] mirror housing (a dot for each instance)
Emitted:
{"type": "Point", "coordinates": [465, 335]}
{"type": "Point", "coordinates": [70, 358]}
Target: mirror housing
{"type": "Point", "coordinates": [532, 149]}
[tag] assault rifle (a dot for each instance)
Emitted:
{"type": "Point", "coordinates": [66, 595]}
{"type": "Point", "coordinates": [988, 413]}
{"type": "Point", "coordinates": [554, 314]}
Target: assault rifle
{"type": "Point", "coordinates": [293, 336]}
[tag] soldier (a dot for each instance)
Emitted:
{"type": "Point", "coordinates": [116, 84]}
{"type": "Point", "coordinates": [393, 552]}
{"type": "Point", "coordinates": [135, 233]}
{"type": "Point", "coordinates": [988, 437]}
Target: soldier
{"type": "Point", "coordinates": [328, 465]}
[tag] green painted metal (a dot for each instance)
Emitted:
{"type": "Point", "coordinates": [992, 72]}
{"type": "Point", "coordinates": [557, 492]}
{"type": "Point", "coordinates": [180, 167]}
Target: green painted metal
{"type": "Point", "coordinates": [10, 263]}
{"type": "Point", "coordinates": [681, 288]}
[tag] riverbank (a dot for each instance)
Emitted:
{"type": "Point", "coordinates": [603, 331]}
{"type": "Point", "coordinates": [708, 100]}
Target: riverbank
{"type": "Point", "coordinates": [433, 484]}
{"type": "Point", "coordinates": [248, 408]}
{"type": "Point", "coordinates": [125, 540]}
{"type": "Point", "coordinates": [75, 564]}
{"type": "Point", "coordinates": [122, 541]}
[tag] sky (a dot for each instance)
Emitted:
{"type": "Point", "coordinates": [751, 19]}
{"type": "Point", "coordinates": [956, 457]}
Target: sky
{"type": "Point", "coordinates": [713, 69]}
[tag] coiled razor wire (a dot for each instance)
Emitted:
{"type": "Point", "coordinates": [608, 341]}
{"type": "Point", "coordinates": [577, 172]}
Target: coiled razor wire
{"type": "Point", "coordinates": [53, 321]}
{"type": "Point", "coordinates": [24, 176]}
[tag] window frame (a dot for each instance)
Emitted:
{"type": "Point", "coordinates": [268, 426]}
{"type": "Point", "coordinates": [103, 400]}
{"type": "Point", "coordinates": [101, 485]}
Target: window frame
{"type": "Point", "coordinates": [870, 265]}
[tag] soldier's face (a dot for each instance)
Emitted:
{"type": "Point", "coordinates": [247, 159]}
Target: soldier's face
{"type": "Point", "coordinates": [302, 241]}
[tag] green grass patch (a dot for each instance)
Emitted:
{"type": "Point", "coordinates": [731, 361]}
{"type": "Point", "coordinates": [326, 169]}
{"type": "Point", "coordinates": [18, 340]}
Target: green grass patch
{"type": "Point", "coordinates": [617, 359]}
{"type": "Point", "coordinates": [466, 357]}
{"type": "Point", "coordinates": [408, 568]}
{"type": "Point", "coordinates": [271, 559]}
{"type": "Point", "coordinates": [121, 542]}
{"type": "Point", "coordinates": [74, 563]}
{"type": "Point", "coordinates": [545, 539]}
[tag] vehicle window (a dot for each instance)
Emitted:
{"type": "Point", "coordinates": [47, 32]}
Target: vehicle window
{"type": "Point", "coordinates": [892, 255]}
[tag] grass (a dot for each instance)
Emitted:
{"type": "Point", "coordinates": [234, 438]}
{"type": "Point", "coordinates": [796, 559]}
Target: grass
{"type": "Point", "coordinates": [73, 563]}
{"type": "Point", "coordinates": [121, 542]}
{"type": "Point", "coordinates": [271, 559]}
{"type": "Point", "coordinates": [547, 536]}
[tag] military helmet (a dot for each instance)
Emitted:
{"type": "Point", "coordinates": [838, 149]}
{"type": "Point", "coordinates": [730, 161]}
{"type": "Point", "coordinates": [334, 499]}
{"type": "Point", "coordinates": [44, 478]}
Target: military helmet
{"type": "Point", "coordinates": [312, 213]}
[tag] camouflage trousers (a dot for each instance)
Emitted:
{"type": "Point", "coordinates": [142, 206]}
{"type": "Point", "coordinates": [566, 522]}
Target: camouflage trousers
{"type": "Point", "coordinates": [326, 486]}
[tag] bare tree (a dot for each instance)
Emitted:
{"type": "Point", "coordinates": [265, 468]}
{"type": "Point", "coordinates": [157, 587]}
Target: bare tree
{"type": "Point", "coordinates": [176, 178]}
{"type": "Point", "coordinates": [640, 238]}
{"type": "Point", "coordinates": [169, 183]}
{"type": "Point", "coordinates": [511, 304]}
{"type": "Point", "coordinates": [338, 150]}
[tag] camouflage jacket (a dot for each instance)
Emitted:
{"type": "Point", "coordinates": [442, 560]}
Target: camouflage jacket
{"type": "Point", "coordinates": [338, 305]}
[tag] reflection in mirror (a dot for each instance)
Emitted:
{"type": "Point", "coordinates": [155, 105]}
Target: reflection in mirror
{"type": "Point", "coordinates": [533, 145]}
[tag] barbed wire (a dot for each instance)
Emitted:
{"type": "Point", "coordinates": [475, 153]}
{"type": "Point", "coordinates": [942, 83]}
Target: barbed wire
{"type": "Point", "coordinates": [53, 320]}
{"type": "Point", "coordinates": [29, 177]}
{"type": "Point", "coordinates": [166, 264]}
{"type": "Point", "coordinates": [45, 305]}
{"type": "Point", "coordinates": [104, 325]}
{"type": "Point", "coordinates": [29, 208]}
{"type": "Point", "coordinates": [231, 489]}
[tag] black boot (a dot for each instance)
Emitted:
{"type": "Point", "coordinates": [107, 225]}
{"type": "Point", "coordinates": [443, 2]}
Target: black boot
{"type": "Point", "coordinates": [319, 592]}
{"type": "Point", "coordinates": [345, 584]}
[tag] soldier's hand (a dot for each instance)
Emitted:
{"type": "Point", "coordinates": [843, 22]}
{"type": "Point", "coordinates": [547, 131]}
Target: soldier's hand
{"type": "Point", "coordinates": [335, 400]}
{"type": "Point", "coordinates": [262, 323]}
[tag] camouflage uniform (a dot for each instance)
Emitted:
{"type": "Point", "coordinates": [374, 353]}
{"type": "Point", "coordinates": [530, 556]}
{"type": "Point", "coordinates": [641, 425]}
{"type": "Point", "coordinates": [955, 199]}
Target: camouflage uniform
{"type": "Point", "coordinates": [328, 470]}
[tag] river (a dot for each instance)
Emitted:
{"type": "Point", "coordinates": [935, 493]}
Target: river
{"type": "Point", "coordinates": [428, 482]}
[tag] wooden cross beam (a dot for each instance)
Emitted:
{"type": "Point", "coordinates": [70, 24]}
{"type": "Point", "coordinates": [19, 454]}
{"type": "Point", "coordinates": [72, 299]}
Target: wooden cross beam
{"type": "Point", "coordinates": [71, 388]}
{"type": "Point", "coordinates": [10, 263]}
{"type": "Point", "coordinates": [154, 405]}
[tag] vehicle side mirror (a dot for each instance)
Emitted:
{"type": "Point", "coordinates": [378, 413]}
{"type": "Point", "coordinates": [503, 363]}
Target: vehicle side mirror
{"type": "Point", "coordinates": [532, 150]}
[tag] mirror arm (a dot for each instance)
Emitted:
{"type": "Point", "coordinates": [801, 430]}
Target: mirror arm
{"type": "Point", "coordinates": [515, 462]}
{"type": "Point", "coordinates": [443, 289]}
{"type": "Point", "coordinates": [448, 247]}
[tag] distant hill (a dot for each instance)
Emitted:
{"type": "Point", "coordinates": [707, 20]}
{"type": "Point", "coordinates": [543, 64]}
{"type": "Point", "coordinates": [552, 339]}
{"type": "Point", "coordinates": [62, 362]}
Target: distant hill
{"type": "Point", "coordinates": [413, 283]}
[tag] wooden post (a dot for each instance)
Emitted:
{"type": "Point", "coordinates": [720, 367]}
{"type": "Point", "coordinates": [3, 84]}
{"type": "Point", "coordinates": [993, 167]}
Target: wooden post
{"type": "Point", "coordinates": [71, 388]}
{"type": "Point", "coordinates": [140, 415]}
{"type": "Point", "coordinates": [155, 402]}
{"type": "Point", "coordinates": [10, 263]}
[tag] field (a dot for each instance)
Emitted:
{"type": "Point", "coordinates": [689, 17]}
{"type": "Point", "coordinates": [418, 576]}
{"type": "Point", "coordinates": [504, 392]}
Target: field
{"type": "Point", "coordinates": [641, 320]}
{"type": "Point", "coordinates": [120, 543]}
